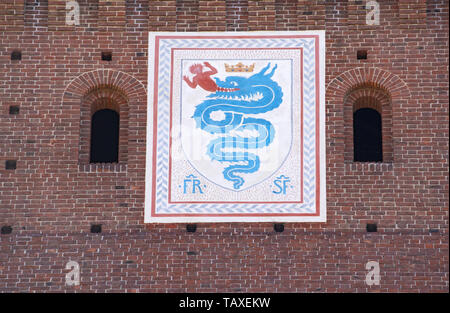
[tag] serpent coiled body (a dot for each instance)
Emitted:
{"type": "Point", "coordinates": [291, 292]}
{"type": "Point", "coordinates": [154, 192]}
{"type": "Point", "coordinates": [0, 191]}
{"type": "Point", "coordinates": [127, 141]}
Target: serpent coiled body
{"type": "Point", "coordinates": [234, 145]}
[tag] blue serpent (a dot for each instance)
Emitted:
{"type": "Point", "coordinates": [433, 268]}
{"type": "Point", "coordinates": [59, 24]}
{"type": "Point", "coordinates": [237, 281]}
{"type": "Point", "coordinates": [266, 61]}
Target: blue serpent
{"type": "Point", "coordinates": [236, 97]}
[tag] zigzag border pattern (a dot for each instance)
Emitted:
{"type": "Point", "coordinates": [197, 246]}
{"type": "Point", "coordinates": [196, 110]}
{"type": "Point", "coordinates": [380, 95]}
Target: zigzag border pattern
{"type": "Point", "coordinates": [309, 116]}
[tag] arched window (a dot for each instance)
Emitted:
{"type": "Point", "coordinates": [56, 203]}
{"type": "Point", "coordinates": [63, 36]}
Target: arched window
{"type": "Point", "coordinates": [104, 137]}
{"type": "Point", "coordinates": [367, 136]}
{"type": "Point", "coordinates": [103, 128]}
{"type": "Point", "coordinates": [368, 125]}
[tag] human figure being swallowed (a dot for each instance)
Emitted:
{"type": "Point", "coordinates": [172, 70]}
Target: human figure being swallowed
{"type": "Point", "coordinates": [203, 79]}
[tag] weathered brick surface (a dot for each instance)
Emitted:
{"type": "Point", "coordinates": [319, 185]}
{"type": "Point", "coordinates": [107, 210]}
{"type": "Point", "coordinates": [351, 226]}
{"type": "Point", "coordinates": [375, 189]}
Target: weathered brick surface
{"type": "Point", "coordinates": [211, 15]}
{"type": "Point", "coordinates": [187, 15]}
{"type": "Point", "coordinates": [52, 197]}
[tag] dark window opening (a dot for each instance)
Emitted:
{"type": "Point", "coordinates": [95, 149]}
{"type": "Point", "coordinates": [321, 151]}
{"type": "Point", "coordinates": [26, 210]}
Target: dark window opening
{"type": "Point", "coordinates": [371, 228]}
{"type": "Point", "coordinates": [279, 228]}
{"type": "Point", "coordinates": [96, 229]}
{"type": "Point", "coordinates": [191, 228]}
{"type": "Point", "coordinates": [16, 55]}
{"type": "Point", "coordinates": [367, 140]}
{"type": "Point", "coordinates": [361, 55]}
{"type": "Point", "coordinates": [106, 56]}
{"type": "Point", "coordinates": [6, 230]}
{"type": "Point", "coordinates": [105, 137]}
{"type": "Point", "coordinates": [10, 164]}
{"type": "Point", "coordinates": [14, 109]}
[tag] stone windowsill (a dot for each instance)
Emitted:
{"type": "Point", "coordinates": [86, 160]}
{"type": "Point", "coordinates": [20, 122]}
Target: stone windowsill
{"type": "Point", "coordinates": [369, 167]}
{"type": "Point", "coordinates": [103, 167]}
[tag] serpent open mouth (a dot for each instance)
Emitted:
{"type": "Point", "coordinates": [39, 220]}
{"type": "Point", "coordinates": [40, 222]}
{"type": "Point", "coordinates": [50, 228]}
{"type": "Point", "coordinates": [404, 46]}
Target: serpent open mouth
{"type": "Point", "coordinates": [250, 97]}
{"type": "Point", "coordinates": [221, 89]}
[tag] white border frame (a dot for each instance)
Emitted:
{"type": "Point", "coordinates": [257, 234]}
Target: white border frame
{"type": "Point", "coordinates": [219, 219]}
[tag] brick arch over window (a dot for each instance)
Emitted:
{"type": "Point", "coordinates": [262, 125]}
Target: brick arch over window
{"type": "Point", "coordinates": [367, 88]}
{"type": "Point", "coordinates": [105, 89]}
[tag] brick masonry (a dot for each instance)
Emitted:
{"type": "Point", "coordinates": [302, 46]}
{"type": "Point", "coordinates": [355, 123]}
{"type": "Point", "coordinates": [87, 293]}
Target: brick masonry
{"type": "Point", "coordinates": [54, 196]}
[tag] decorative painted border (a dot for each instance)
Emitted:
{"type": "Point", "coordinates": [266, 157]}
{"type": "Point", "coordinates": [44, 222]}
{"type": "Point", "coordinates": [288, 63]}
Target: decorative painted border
{"type": "Point", "coordinates": [157, 208]}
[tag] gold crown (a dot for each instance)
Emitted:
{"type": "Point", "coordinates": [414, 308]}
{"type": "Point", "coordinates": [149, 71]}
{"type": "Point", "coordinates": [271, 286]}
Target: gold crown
{"type": "Point", "coordinates": [239, 67]}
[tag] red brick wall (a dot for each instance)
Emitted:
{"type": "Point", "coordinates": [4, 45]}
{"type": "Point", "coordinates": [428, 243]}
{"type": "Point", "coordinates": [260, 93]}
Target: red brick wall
{"type": "Point", "coordinates": [51, 199]}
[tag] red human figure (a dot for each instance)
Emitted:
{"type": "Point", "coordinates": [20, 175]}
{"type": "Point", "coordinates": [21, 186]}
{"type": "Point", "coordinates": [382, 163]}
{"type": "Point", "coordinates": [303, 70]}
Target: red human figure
{"type": "Point", "coordinates": [202, 79]}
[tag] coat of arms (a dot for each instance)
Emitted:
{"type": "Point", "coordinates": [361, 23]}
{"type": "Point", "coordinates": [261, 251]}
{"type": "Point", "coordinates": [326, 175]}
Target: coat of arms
{"type": "Point", "coordinates": [235, 127]}
{"type": "Point", "coordinates": [232, 121]}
